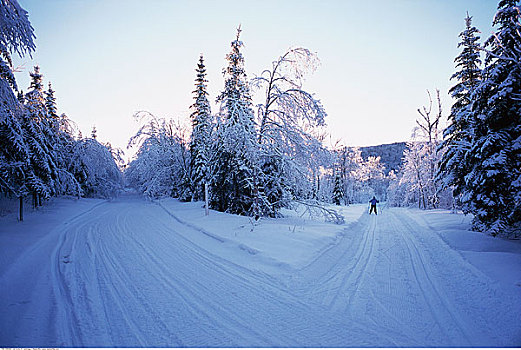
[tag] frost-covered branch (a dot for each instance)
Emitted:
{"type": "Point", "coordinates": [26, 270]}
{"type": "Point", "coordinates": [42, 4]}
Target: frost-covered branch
{"type": "Point", "coordinates": [314, 207]}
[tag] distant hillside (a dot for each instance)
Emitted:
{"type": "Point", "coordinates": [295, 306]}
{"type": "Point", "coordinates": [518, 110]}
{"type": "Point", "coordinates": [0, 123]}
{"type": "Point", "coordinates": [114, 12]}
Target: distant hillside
{"type": "Point", "coordinates": [390, 154]}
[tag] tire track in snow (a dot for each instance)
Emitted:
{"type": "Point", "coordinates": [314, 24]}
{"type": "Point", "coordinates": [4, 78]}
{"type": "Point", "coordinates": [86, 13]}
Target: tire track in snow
{"type": "Point", "coordinates": [164, 289]}
{"type": "Point", "coordinates": [123, 284]}
{"type": "Point", "coordinates": [65, 319]}
{"type": "Point", "coordinates": [277, 290]}
{"type": "Point", "coordinates": [261, 277]}
{"type": "Point", "coordinates": [65, 315]}
{"type": "Point", "coordinates": [190, 296]}
{"type": "Point", "coordinates": [122, 291]}
{"type": "Point", "coordinates": [182, 289]}
{"type": "Point", "coordinates": [126, 275]}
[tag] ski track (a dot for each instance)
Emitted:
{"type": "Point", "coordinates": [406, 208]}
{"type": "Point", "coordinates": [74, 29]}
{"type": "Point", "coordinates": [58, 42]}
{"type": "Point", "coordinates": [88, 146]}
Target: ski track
{"type": "Point", "coordinates": [124, 274]}
{"type": "Point", "coordinates": [441, 310]}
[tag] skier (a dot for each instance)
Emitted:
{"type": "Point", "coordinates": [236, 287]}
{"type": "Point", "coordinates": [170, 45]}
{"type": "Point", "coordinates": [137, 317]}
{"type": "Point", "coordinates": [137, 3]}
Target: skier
{"type": "Point", "coordinates": [373, 205]}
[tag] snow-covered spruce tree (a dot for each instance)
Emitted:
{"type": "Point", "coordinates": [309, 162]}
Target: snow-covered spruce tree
{"type": "Point", "coordinates": [458, 136]}
{"type": "Point", "coordinates": [493, 186]}
{"type": "Point", "coordinates": [41, 140]}
{"type": "Point", "coordinates": [287, 120]}
{"type": "Point", "coordinates": [201, 134]}
{"type": "Point", "coordinates": [14, 154]}
{"type": "Point", "coordinates": [61, 133]}
{"type": "Point", "coordinates": [52, 112]}
{"type": "Point", "coordinates": [236, 183]}
{"type": "Point", "coordinates": [16, 36]}
{"type": "Point", "coordinates": [16, 32]}
{"type": "Point", "coordinates": [338, 190]}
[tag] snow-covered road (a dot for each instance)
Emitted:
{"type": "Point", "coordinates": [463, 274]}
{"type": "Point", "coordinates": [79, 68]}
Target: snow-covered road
{"type": "Point", "coordinates": [127, 274]}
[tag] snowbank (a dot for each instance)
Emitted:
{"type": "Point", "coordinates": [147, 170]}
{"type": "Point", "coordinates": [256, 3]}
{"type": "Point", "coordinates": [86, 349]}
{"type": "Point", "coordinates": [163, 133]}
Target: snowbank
{"type": "Point", "coordinates": [292, 241]}
{"type": "Point", "coordinates": [498, 258]}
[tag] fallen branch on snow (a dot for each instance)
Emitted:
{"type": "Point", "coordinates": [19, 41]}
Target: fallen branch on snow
{"type": "Point", "coordinates": [315, 208]}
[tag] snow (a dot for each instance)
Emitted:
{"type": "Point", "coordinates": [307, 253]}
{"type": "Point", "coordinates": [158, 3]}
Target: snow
{"type": "Point", "coordinates": [497, 258]}
{"type": "Point", "coordinates": [134, 273]}
{"type": "Point", "coordinates": [291, 241]}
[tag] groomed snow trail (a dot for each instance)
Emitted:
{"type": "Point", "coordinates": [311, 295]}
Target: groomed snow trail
{"type": "Point", "coordinates": [128, 277]}
{"type": "Point", "coordinates": [126, 274]}
{"type": "Point", "coordinates": [394, 273]}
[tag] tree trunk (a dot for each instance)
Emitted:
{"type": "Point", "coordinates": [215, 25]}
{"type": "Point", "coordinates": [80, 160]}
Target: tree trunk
{"type": "Point", "coordinates": [21, 213]}
{"type": "Point", "coordinates": [318, 185]}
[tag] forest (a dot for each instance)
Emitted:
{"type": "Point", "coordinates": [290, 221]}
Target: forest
{"type": "Point", "coordinates": [253, 157]}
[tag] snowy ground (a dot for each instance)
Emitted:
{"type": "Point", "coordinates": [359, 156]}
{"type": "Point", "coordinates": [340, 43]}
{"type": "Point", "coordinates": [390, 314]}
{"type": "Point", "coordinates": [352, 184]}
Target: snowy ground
{"type": "Point", "coordinates": [134, 273]}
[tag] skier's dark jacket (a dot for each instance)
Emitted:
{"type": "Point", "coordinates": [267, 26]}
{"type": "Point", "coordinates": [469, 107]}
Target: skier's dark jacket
{"type": "Point", "coordinates": [374, 201]}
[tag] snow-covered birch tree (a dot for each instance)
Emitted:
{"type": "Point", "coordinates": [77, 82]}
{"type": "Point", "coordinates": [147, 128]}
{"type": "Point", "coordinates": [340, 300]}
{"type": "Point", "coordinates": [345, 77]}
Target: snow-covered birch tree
{"type": "Point", "coordinates": [288, 122]}
{"type": "Point", "coordinates": [161, 166]}
{"type": "Point", "coordinates": [95, 169]}
{"type": "Point", "coordinates": [422, 155]}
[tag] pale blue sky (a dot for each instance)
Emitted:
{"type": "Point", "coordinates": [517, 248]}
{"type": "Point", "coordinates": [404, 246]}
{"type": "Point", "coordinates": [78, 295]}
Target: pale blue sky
{"type": "Point", "coordinates": [108, 59]}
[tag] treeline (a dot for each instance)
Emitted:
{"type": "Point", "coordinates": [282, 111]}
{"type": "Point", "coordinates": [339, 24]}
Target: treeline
{"type": "Point", "coordinates": [254, 158]}
{"type": "Point", "coordinates": [39, 154]}
{"type": "Point", "coordinates": [257, 158]}
{"type": "Point", "coordinates": [477, 164]}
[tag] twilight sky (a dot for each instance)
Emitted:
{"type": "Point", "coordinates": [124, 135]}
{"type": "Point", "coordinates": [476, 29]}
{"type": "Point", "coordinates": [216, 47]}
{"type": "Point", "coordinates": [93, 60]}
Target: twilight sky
{"type": "Point", "coordinates": [108, 59]}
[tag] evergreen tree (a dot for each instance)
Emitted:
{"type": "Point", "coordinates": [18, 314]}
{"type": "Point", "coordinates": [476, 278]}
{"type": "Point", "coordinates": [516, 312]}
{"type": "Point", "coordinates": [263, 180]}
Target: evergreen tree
{"type": "Point", "coordinates": [14, 154]}
{"type": "Point", "coordinates": [62, 143]}
{"type": "Point", "coordinates": [201, 134]}
{"type": "Point", "coordinates": [235, 187]}
{"type": "Point", "coordinates": [274, 178]}
{"type": "Point", "coordinates": [338, 189]}
{"type": "Point", "coordinates": [16, 36]}
{"type": "Point", "coordinates": [40, 140]}
{"type": "Point", "coordinates": [13, 149]}
{"type": "Point", "coordinates": [493, 185]}
{"type": "Point", "coordinates": [458, 136]}
{"type": "Point", "coordinates": [52, 113]}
